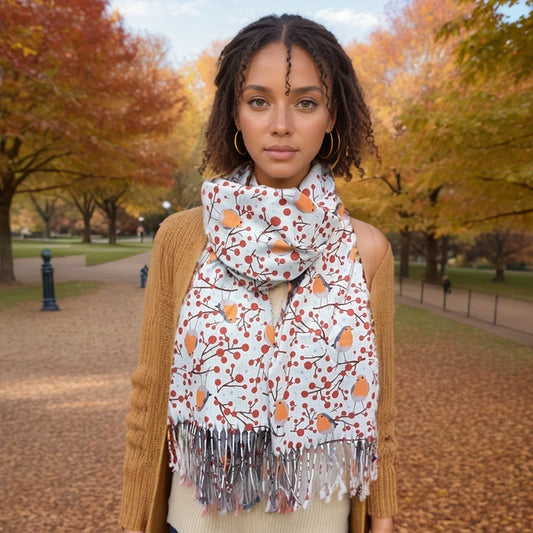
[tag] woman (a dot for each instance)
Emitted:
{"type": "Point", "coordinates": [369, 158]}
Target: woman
{"type": "Point", "coordinates": [263, 395]}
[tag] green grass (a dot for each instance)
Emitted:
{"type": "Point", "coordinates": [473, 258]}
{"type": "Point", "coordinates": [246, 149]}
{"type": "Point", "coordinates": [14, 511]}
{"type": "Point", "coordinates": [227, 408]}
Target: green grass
{"type": "Point", "coordinates": [12, 295]}
{"type": "Point", "coordinates": [517, 284]}
{"type": "Point", "coordinates": [424, 329]}
{"type": "Point", "coordinates": [95, 254]}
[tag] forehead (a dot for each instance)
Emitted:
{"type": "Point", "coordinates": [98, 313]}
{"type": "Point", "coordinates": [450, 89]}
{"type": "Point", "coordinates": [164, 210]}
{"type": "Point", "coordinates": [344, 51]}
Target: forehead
{"type": "Point", "coordinates": [270, 66]}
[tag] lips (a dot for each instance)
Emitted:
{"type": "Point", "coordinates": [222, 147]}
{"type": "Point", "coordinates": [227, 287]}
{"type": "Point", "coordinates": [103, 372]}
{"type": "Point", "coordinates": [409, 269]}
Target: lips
{"type": "Point", "coordinates": [280, 152]}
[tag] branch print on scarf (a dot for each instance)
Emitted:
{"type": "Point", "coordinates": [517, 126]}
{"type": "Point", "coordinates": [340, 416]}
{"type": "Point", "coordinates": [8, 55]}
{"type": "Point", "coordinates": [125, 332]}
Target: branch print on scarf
{"type": "Point", "coordinates": [254, 403]}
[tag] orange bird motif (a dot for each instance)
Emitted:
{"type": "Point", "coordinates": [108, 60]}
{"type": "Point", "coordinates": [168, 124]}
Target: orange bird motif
{"type": "Point", "coordinates": [228, 310]}
{"type": "Point", "coordinates": [325, 424]}
{"type": "Point", "coordinates": [202, 395]}
{"type": "Point", "coordinates": [344, 339]}
{"type": "Point", "coordinates": [320, 286]}
{"type": "Point", "coordinates": [230, 219]}
{"type": "Point", "coordinates": [190, 341]}
{"type": "Point", "coordinates": [270, 334]}
{"type": "Point", "coordinates": [279, 246]}
{"type": "Point", "coordinates": [281, 413]}
{"type": "Point", "coordinates": [304, 203]}
{"type": "Point", "coordinates": [340, 210]}
{"type": "Point", "coordinates": [360, 388]}
{"type": "Point", "coordinates": [353, 254]}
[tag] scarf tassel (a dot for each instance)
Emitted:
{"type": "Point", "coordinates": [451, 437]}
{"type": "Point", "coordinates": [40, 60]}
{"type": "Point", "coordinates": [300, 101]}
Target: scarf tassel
{"type": "Point", "coordinates": [233, 470]}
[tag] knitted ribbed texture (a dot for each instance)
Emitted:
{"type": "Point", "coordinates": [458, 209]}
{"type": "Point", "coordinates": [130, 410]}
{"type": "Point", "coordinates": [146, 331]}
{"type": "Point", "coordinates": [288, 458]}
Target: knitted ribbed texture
{"type": "Point", "coordinates": [382, 501]}
{"type": "Point", "coordinates": [178, 244]}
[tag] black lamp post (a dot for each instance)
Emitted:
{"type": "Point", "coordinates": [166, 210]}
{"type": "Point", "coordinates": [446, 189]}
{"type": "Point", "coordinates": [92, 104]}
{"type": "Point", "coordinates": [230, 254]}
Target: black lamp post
{"type": "Point", "coordinates": [49, 300]}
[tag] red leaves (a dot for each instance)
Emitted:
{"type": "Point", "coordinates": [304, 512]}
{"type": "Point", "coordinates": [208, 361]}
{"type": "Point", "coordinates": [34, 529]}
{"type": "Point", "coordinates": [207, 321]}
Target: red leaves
{"type": "Point", "coordinates": [71, 70]}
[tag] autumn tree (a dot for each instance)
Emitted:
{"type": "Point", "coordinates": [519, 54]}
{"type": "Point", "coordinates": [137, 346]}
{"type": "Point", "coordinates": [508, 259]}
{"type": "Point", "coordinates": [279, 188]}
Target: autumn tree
{"type": "Point", "coordinates": [187, 138]}
{"type": "Point", "coordinates": [453, 154]}
{"type": "Point", "coordinates": [402, 66]}
{"type": "Point", "coordinates": [500, 247]}
{"type": "Point", "coordinates": [492, 40]}
{"type": "Point", "coordinates": [45, 205]}
{"type": "Point", "coordinates": [494, 122]}
{"type": "Point", "coordinates": [77, 91]}
{"type": "Point", "coordinates": [107, 198]}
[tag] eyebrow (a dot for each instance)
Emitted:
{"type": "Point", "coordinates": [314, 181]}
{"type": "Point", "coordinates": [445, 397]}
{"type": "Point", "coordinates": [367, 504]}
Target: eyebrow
{"type": "Point", "coordinates": [297, 90]}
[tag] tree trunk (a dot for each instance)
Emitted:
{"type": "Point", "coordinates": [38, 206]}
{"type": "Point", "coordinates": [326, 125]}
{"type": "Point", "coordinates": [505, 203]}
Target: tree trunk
{"type": "Point", "coordinates": [444, 241]}
{"type": "Point", "coordinates": [86, 205]}
{"type": "Point", "coordinates": [46, 212]}
{"type": "Point", "coordinates": [111, 212]}
{"type": "Point", "coordinates": [7, 274]}
{"type": "Point", "coordinates": [432, 249]}
{"type": "Point", "coordinates": [47, 229]}
{"type": "Point", "coordinates": [500, 273]}
{"type": "Point", "coordinates": [86, 234]}
{"type": "Point", "coordinates": [405, 243]}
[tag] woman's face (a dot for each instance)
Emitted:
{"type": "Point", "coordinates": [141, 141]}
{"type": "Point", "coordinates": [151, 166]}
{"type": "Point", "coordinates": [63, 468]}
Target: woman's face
{"type": "Point", "coordinates": [282, 133]}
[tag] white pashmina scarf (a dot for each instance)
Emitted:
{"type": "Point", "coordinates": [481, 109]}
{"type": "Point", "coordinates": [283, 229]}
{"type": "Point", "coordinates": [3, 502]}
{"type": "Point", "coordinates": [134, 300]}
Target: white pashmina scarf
{"type": "Point", "coordinates": [276, 410]}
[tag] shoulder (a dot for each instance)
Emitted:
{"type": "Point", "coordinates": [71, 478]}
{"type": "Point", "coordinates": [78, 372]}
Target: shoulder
{"type": "Point", "coordinates": [178, 225]}
{"type": "Point", "coordinates": [191, 217]}
{"type": "Point", "coordinates": [372, 245]}
{"type": "Point", "coordinates": [180, 237]}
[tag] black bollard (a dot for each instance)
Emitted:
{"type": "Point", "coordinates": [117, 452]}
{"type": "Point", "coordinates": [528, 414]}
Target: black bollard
{"type": "Point", "coordinates": [144, 276]}
{"type": "Point", "coordinates": [49, 300]}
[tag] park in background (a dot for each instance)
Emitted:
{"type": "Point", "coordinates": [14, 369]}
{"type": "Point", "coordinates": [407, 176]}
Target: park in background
{"type": "Point", "coordinates": [99, 134]}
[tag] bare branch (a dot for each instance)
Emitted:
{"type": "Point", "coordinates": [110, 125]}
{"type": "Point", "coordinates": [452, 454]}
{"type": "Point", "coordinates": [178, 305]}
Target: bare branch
{"type": "Point", "coordinates": [507, 182]}
{"type": "Point", "coordinates": [500, 215]}
{"type": "Point", "coordinates": [503, 143]}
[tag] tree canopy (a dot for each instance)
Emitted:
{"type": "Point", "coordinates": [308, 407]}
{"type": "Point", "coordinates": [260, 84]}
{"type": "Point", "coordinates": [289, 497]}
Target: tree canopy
{"type": "Point", "coordinates": [81, 98]}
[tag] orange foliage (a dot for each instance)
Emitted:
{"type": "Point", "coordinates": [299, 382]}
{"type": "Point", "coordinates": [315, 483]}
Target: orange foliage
{"type": "Point", "coordinates": [80, 97]}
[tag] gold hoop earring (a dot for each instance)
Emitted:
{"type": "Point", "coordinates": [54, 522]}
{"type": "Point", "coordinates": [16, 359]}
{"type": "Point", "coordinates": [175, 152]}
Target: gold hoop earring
{"type": "Point", "coordinates": [330, 147]}
{"type": "Point", "coordinates": [337, 151]}
{"type": "Point", "coordinates": [334, 164]}
{"type": "Point", "coordinates": [236, 145]}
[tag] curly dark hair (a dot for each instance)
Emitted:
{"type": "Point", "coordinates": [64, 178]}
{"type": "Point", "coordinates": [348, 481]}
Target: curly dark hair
{"type": "Point", "coordinates": [353, 122]}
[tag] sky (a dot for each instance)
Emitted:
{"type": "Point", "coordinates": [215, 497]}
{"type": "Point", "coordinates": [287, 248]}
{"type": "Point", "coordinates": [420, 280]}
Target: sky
{"type": "Point", "coordinates": [191, 25]}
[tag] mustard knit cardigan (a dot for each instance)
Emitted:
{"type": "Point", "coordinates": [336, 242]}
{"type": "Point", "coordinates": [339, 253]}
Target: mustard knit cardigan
{"type": "Point", "coordinates": [178, 244]}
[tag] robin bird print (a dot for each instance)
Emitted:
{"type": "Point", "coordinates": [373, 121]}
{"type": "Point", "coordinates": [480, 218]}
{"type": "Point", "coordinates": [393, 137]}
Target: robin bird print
{"type": "Point", "coordinates": [281, 413]}
{"type": "Point", "coordinates": [202, 395]}
{"type": "Point", "coordinates": [270, 334]}
{"type": "Point", "coordinates": [279, 246]}
{"type": "Point", "coordinates": [344, 339]}
{"type": "Point", "coordinates": [354, 253]}
{"type": "Point", "coordinates": [340, 210]}
{"type": "Point", "coordinates": [190, 341]}
{"type": "Point", "coordinates": [230, 219]}
{"type": "Point", "coordinates": [304, 203]}
{"type": "Point", "coordinates": [360, 389]}
{"type": "Point", "coordinates": [320, 286]}
{"type": "Point", "coordinates": [228, 310]}
{"type": "Point", "coordinates": [325, 424]}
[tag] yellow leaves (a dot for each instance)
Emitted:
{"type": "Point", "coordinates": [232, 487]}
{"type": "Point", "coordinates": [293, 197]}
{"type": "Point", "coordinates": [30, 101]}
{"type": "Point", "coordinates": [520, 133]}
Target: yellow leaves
{"type": "Point", "coordinates": [25, 49]}
{"type": "Point", "coordinates": [116, 16]}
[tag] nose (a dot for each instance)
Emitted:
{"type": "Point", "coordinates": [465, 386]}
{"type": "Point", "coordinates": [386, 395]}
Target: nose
{"type": "Point", "coordinates": [281, 121]}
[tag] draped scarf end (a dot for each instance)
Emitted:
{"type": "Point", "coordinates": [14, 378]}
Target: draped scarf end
{"type": "Point", "coordinates": [233, 470]}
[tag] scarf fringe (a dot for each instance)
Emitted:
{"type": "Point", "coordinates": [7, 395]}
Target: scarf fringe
{"type": "Point", "coordinates": [233, 470]}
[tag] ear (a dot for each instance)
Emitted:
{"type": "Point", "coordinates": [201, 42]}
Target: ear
{"type": "Point", "coordinates": [332, 120]}
{"type": "Point", "coordinates": [237, 122]}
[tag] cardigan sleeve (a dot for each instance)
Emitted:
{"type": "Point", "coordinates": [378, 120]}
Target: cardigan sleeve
{"type": "Point", "coordinates": [175, 251]}
{"type": "Point", "coordinates": [382, 501]}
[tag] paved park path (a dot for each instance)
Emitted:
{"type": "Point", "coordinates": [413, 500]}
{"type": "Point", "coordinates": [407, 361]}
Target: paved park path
{"type": "Point", "coordinates": [465, 458]}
